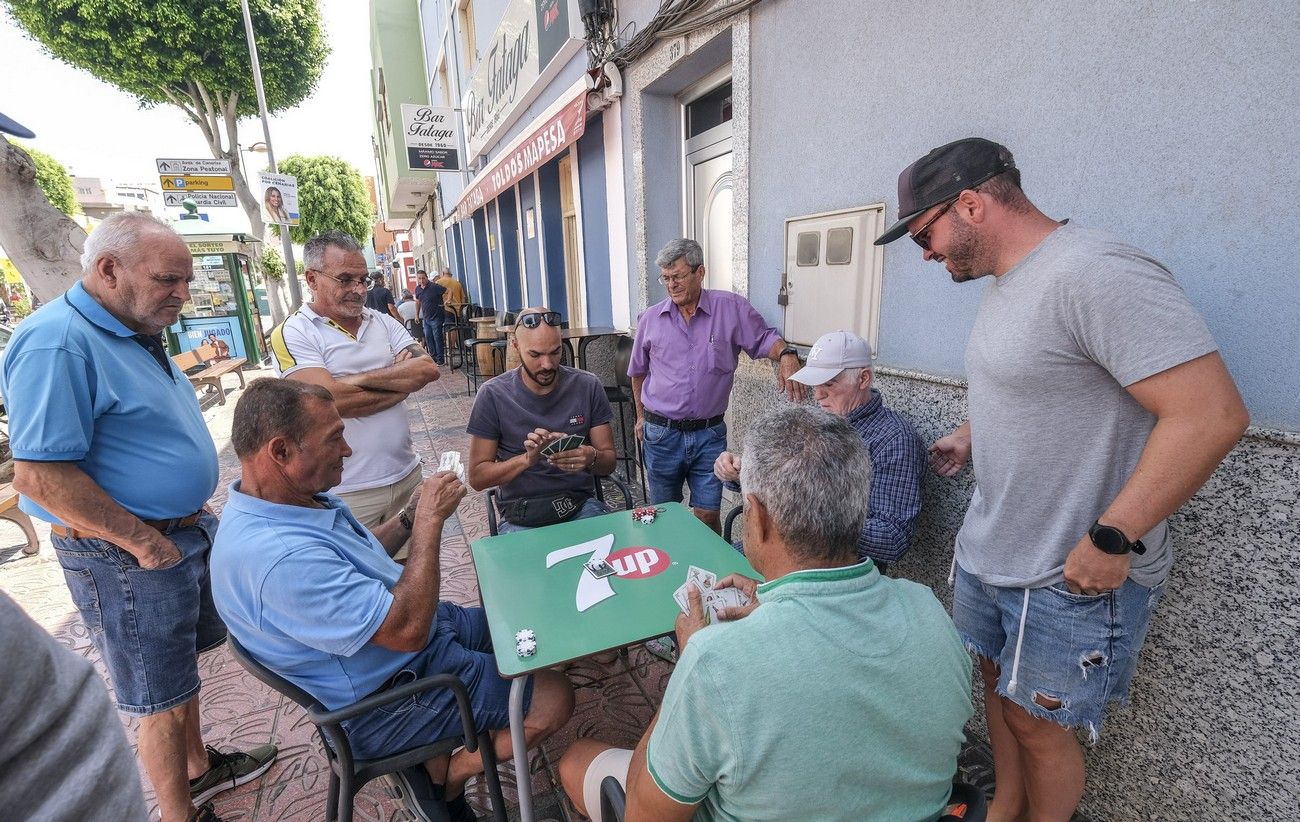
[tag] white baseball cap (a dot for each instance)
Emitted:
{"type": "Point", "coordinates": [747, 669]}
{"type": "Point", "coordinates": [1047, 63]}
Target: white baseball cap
{"type": "Point", "coordinates": [831, 354]}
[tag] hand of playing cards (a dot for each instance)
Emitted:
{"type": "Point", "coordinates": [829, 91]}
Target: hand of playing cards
{"type": "Point", "coordinates": [563, 442]}
{"type": "Point", "coordinates": [450, 461]}
{"type": "Point", "coordinates": [715, 600]}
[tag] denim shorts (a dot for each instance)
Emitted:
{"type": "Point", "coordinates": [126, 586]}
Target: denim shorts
{"type": "Point", "coordinates": [149, 626]}
{"type": "Point", "coordinates": [673, 457]}
{"type": "Point", "coordinates": [591, 508]}
{"type": "Point", "coordinates": [461, 645]}
{"type": "Point", "coordinates": [1078, 653]}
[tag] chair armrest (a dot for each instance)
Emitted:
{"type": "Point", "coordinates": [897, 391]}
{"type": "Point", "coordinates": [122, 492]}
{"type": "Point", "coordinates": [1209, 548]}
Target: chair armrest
{"type": "Point", "coordinates": [730, 522]}
{"type": "Point", "coordinates": [613, 800]}
{"type": "Point", "coordinates": [401, 692]}
{"type": "Point", "coordinates": [489, 502]}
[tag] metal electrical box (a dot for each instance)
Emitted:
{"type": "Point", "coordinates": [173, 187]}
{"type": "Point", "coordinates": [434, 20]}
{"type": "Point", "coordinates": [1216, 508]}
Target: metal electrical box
{"type": "Point", "coordinates": [833, 274]}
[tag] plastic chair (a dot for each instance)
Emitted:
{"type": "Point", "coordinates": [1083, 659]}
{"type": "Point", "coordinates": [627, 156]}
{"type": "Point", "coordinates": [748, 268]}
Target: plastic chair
{"type": "Point", "coordinates": [347, 774]}
{"type": "Point", "coordinates": [966, 803]}
{"type": "Point", "coordinates": [490, 499]}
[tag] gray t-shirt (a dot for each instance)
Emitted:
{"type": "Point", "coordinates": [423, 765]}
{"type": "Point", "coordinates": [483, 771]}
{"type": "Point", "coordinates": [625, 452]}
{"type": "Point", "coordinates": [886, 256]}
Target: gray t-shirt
{"type": "Point", "coordinates": [1055, 434]}
{"type": "Point", "coordinates": [506, 411]}
{"type": "Point", "coordinates": [63, 753]}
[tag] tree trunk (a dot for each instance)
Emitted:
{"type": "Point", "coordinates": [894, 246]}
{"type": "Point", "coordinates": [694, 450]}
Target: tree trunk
{"type": "Point", "coordinates": [43, 243]}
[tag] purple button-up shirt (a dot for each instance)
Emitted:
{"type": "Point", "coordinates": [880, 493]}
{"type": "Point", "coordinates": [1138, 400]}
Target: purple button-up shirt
{"type": "Point", "coordinates": [689, 367]}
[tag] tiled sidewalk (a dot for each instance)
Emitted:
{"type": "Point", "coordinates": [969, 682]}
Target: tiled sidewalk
{"type": "Point", "coordinates": [238, 711]}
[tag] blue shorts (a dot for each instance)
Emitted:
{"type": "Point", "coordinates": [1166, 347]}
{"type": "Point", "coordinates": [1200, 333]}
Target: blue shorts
{"type": "Point", "coordinates": [149, 626]}
{"type": "Point", "coordinates": [462, 646]}
{"type": "Point", "coordinates": [591, 508]}
{"type": "Point", "coordinates": [673, 457]}
{"type": "Point", "coordinates": [1079, 652]}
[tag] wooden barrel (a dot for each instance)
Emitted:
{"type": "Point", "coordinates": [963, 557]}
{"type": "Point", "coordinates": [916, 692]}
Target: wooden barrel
{"type": "Point", "coordinates": [485, 328]}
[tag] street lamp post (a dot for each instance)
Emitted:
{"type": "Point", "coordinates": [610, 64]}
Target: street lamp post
{"type": "Point", "coordinates": [290, 269]}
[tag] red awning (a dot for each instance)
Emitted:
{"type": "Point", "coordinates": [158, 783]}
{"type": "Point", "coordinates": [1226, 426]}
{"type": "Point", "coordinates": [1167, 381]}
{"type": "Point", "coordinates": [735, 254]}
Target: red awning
{"type": "Point", "coordinates": [526, 156]}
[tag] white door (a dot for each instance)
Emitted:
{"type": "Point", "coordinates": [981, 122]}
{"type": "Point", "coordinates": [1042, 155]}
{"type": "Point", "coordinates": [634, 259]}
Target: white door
{"type": "Point", "coordinates": [709, 181]}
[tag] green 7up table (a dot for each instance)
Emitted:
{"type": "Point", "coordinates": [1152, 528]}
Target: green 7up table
{"type": "Point", "coordinates": [538, 580]}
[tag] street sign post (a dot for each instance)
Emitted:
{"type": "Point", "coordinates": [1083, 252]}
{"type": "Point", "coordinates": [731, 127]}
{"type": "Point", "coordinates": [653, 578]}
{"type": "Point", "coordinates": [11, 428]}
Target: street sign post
{"type": "Point", "coordinates": [194, 182]}
{"type": "Point", "coordinates": [172, 167]}
{"type": "Point", "coordinates": [203, 199]}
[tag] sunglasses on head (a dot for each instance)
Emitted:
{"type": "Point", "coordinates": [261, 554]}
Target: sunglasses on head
{"type": "Point", "coordinates": [537, 318]}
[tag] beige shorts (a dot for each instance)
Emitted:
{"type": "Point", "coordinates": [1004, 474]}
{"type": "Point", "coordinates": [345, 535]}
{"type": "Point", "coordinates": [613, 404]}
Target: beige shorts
{"type": "Point", "coordinates": [614, 762]}
{"type": "Point", "coordinates": [374, 506]}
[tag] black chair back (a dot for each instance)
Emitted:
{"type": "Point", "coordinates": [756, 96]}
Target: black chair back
{"type": "Point", "coordinates": [622, 359]}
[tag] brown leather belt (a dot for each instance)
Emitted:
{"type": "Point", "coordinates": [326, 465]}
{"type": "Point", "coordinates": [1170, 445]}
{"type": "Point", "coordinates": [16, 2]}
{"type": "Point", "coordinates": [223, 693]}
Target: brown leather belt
{"type": "Point", "coordinates": [163, 525]}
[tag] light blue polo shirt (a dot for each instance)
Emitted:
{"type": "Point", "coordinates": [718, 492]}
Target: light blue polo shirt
{"type": "Point", "coordinates": [304, 590]}
{"type": "Point", "coordinates": [80, 389]}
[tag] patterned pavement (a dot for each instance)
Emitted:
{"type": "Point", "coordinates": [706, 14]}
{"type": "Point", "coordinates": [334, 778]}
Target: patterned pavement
{"type": "Point", "coordinates": [239, 711]}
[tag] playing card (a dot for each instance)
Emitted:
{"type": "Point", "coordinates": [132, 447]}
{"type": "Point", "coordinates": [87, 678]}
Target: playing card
{"type": "Point", "coordinates": [552, 447]}
{"type": "Point", "coordinates": [571, 442]}
{"type": "Point", "coordinates": [705, 579]}
{"type": "Point", "coordinates": [722, 598]}
{"type": "Point", "coordinates": [682, 598]}
{"type": "Point", "coordinates": [599, 568]}
{"type": "Point", "coordinates": [450, 461]}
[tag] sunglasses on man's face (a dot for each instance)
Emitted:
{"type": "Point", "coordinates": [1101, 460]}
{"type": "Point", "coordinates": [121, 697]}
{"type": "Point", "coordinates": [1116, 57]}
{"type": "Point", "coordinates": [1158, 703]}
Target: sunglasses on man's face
{"type": "Point", "coordinates": [537, 318]}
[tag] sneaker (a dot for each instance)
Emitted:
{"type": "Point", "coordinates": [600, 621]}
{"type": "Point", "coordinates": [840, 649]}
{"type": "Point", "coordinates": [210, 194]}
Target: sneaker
{"type": "Point", "coordinates": [664, 647]}
{"type": "Point", "coordinates": [418, 794]}
{"type": "Point", "coordinates": [228, 770]}
{"type": "Point", "coordinates": [203, 813]}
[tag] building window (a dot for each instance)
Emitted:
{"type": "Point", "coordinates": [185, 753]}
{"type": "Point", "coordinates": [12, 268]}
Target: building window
{"type": "Point", "coordinates": [465, 23]}
{"type": "Point", "coordinates": [708, 111]}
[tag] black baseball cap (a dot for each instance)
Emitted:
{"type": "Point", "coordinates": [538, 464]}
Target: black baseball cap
{"type": "Point", "coordinates": [9, 126]}
{"type": "Point", "coordinates": [943, 174]}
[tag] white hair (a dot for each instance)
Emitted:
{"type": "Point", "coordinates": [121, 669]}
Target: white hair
{"type": "Point", "coordinates": [118, 237]}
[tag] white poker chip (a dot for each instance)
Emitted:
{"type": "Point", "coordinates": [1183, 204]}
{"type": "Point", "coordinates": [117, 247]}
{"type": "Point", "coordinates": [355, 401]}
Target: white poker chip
{"type": "Point", "coordinates": [525, 633]}
{"type": "Point", "coordinates": [526, 647]}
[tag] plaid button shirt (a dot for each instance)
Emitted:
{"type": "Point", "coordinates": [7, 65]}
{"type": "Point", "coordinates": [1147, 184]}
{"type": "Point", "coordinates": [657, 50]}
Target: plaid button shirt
{"type": "Point", "coordinates": [897, 466]}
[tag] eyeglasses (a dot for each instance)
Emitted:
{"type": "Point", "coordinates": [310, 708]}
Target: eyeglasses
{"type": "Point", "coordinates": [346, 282]}
{"type": "Point", "coordinates": [537, 318]}
{"type": "Point", "coordinates": [676, 278]}
{"type": "Point", "coordinates": [922, 235]}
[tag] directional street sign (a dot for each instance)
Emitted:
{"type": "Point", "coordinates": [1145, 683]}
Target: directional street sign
{"type": "Point", "coordinates": [191, 182]}
{"type": "Point", "coordinates": [203, 199]}
{"type": "Point", "coordinates": [174, 167]}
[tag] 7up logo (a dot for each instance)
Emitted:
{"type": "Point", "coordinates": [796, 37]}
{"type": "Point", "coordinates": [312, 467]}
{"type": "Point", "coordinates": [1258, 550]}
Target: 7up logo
{"type": "Point", "coordinates": [638, 562]}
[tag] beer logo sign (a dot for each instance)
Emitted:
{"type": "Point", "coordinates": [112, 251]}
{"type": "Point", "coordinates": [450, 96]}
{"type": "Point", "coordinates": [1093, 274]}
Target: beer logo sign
{"type": "Point", "coordinates": [637, 562]}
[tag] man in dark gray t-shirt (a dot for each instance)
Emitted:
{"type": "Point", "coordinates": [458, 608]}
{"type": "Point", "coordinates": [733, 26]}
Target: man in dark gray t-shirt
{"type": "Point", "coordinates": [517, 414]}
{"type": "Point", "coordinates": [1098, 404]}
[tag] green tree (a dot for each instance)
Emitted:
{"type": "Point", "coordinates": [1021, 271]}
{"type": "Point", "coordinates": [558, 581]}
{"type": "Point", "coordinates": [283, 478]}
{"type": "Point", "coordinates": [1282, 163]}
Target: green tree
{"type": "Point", "coordinates": [53, 179]}
{"type": "Point", "coordinates": [192, 55]}
{"type": "Point", "coordinates": [332, 196]}
{"type": "Point", "coordinates": [272, 264]}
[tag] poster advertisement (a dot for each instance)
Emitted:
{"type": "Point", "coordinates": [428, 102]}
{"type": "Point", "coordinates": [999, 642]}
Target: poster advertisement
{"type": "Point", "coordinates": [279, 198]}
{"type": "Point", "coordinates": [221, 333]}
{"type": "Point", "coordinates": [432, 138]}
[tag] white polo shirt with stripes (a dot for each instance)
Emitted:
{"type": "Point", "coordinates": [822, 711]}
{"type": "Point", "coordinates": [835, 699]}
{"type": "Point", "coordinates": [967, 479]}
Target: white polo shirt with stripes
{"type": "Point", "coordinates": [381, 442]}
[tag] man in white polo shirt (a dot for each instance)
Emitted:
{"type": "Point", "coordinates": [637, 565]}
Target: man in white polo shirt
{"type": "Point", "coordinates": [369, 363]}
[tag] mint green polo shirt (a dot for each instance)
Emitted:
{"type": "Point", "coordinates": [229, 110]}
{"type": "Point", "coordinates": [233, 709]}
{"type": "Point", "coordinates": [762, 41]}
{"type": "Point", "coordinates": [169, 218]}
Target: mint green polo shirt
{"type": "Point", "coordinates": [842, 696]}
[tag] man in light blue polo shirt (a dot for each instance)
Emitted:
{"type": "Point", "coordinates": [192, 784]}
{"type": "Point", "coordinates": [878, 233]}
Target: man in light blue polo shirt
{"type": "Point", "coordinates": [313, 595]}
{"type": "Point", "coordinates": [111, 449]}
{"type": "Point", "coordinates": [842, 694]}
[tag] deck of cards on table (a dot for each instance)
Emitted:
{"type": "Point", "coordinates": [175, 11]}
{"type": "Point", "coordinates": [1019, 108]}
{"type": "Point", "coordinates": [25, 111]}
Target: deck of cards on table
{"type": "Point", "coordinates": [714, 600]}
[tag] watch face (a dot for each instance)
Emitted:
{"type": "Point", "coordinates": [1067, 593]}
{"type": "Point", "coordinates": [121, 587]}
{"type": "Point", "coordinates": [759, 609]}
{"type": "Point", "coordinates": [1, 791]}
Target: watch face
{"type": "Point", "coordinates": [1109, 539]}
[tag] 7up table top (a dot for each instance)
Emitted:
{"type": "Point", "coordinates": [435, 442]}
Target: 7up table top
{"type": "Point", "coordinates": [538, 579]}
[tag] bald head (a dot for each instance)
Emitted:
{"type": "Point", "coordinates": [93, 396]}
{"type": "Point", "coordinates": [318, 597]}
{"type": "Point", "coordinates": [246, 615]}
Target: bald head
{"type": "Point", "coordinates": [540, 349]}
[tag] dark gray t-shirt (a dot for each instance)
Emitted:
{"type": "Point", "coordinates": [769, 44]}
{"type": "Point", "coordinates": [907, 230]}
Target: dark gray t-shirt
{"type": "Point", "coordinates": [63, 753]}
{"type": "Point", "coordinates": [1055, 434]}
{"type": "Point", "coordinates": [506, 411]}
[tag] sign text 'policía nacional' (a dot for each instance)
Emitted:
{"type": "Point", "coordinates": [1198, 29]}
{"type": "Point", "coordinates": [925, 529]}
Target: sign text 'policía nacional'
{"type": "Point", "coordinates": [432, 138]}
{"type": "Point", "coordinates": [202, 199]}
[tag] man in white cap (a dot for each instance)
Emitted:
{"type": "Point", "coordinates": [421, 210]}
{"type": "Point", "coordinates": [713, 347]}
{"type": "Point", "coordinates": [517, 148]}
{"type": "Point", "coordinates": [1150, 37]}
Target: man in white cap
{"type": "Point", "coordinates": [839, 372]}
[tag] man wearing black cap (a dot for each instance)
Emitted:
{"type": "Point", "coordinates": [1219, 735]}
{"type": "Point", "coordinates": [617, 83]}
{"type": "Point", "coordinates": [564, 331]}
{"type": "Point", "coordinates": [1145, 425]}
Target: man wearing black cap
{"type": "Point", "coordinates": [1098, 404]}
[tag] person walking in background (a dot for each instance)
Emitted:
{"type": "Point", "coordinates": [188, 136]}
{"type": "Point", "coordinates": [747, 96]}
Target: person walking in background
{"type": "Point", "coordinates": [429, 297]}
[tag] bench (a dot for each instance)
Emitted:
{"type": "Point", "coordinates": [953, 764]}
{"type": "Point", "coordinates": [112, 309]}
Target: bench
{"type": "Point", "coordinates": [9, 510]}
{"type": "Point", "coordinates": [202, 368]}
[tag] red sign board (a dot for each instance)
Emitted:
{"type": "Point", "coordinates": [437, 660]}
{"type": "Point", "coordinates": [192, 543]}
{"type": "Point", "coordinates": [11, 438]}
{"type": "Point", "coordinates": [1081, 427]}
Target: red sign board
{"type": "Point", "coordinates": [547, 141]}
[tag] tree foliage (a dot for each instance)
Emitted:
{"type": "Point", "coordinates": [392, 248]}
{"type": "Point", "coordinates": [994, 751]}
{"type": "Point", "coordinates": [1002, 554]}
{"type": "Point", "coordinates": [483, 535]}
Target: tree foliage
{"type": "Point", "coordinates": [272, 264]}
{"type": "Point", "coordinates": [53, 179]}
{"type": "Point", "coordinates": [331, 196]}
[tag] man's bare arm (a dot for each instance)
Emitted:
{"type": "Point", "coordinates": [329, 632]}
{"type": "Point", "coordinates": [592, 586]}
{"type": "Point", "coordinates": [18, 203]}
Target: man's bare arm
{"type": "Point", "coordinates": [412, 370]}
{"type": "Point", "coordinates": [484, 470]}
{"type": "Point", "coordinates": [352, 400]}
{"type": "Point", "coordinates": [637, 382]}
{"type": "Point", "coordinates": [70, 494]}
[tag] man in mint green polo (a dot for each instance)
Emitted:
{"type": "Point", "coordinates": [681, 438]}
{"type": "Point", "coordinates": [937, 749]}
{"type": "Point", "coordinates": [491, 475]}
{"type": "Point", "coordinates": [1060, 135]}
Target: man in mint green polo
{"type": "Point", "coordinates": [839, 694]}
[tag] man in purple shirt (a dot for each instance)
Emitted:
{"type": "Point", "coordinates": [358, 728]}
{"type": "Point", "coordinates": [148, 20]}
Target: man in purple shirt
{"type": "Point", "coordinates": [682, 368]}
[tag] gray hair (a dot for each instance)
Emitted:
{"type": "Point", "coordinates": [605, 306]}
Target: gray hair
{"type": "Point", "coordinates": [812, 472]}
{"type": "Point", "coordinates": [313, 253]}
{"type": "Point", "coordinates": [271, 408]}
{"type": "Point", "coordinates": [119, 237]}
{"type": "Point", "coordinates": [678, 249]}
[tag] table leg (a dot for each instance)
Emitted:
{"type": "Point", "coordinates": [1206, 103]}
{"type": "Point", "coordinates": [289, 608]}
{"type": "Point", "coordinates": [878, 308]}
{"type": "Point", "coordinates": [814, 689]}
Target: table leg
{"type": "Point", "coordinates": [520, 746]}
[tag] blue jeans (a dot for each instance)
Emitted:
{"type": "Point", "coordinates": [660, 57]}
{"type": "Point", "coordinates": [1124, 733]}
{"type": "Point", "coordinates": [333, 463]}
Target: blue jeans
{"type": "Point", "coordinates": [433, 336]}
{"type": "Point", "coordinates": [462, 646]}
{"type": "Point", "coordinates": [591, 508]}
{"type": "Point", "coordinates": [1078, 651]}
{"type": "Point", "coordinates": [149, 626]}
{"type": "Point", "coordinates": [673, 457]}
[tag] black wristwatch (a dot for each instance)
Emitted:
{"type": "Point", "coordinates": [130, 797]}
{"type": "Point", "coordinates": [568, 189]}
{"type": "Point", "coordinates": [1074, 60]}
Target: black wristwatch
{"type": "Point", "coordinates": [1110, 539]}
{"type": "Point", "coordinates": [788, 350]}
{"type": "Point", "coordinates": [405, 519]}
